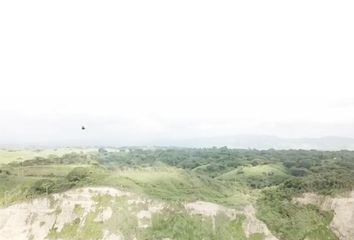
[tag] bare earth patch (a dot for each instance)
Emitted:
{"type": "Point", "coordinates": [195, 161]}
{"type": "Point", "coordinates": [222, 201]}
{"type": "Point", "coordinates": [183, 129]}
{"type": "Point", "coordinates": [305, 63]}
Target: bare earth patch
{"type": "Point", "coordinates": [104, 215]}
{"type": "Point", "coordinates": [38, 218]}
{"type": "Point", "coordinates": [343, 208]}
{"type": "Point", "coordinates": [35, 219]}
{"type": "Point", "coordinates": [144, 216]}
{"type": "Point", "coordinates": [251, 226]}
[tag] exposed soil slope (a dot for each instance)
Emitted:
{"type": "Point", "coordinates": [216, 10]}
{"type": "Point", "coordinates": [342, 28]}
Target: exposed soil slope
{"type": "Point", "coordinates": [72, 214]}
{"type": "Point", "coordinates": [343, 208]}
{"type": "Point", "coordinates": [251, 226]}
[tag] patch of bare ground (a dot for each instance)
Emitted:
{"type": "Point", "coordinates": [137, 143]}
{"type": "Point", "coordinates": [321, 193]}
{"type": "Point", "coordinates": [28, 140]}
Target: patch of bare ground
{"type": "Point", "coordinates": [35, 219]}
{"type": "Point", "coordinates": [38, 218]}
{"type": "Point", "coordinates": [343, 208]}
{"type": "Point", "coordinates": [251, 225]}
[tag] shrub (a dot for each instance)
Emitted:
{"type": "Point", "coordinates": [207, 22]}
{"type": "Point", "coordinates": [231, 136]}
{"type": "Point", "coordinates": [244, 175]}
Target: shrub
{"type": "Point", "coordinates": [298, 171]}
{"type": "Point", "coordinates": [78, 174]}
{"type": "Point", "coordinates": [42, 186]}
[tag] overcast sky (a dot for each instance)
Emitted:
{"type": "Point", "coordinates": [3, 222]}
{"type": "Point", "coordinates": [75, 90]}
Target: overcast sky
{"type": "Point", "coordinates": [134, 72]}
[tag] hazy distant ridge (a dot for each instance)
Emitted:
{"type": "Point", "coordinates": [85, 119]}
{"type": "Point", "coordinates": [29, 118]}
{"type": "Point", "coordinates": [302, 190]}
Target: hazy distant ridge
{"type": "Point", "coordinates": [267, 142]}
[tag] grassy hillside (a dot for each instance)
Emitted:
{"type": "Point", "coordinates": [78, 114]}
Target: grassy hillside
{"type": "Point", "coordinates": [267, 179]}
{"type": "Point", "coordinates": [12, 155]}
{"type": "Point", "coordinates": [257, 176]}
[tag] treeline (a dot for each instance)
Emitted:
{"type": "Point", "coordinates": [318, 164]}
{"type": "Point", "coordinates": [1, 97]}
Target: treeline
{"type": "Point", "coordinates": [320, 171]}
{"type": "Point", "coordinates": [70, 158]}
{"type": "Point", "coordinates": [79, 176]}
{"type": "Point", "coordinates": [308, 170]}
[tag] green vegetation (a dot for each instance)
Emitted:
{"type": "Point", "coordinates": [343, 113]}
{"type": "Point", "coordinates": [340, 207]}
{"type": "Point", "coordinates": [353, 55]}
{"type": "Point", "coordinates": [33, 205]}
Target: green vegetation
{"type": "Point", "coordinates": [269, 179]}
{"type": "Point", "coordinates": [291, 221]}
{"type": "Point", "coordinates": [170, 184]}
{"type": "Point", "coordinates": [258, 176]}
{"type": "Point", "coordinates": [19, 155]}
{"type": "Point", "coordinates": [181, 225]}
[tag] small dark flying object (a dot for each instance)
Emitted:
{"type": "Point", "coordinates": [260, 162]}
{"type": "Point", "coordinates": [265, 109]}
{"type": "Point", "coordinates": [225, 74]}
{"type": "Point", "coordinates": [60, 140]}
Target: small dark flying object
{"type": "Point", "coordinates": [83, 128]}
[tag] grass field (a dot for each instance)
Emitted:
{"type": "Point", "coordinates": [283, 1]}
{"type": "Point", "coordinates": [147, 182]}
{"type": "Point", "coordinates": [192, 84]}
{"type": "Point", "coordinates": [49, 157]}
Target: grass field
{"type": "Point", "coordinates": [47, 170]}
{"type": "Point", "coordinates": [174, 184]}
{"type": "Point", "coordinates": [267, 184]}
{"type": "Point", "coordinates": [255, 171]}
{"type": "Point", "coordinates": [257, 176]}
{"type": "Point", "coordinates": [11, 155]}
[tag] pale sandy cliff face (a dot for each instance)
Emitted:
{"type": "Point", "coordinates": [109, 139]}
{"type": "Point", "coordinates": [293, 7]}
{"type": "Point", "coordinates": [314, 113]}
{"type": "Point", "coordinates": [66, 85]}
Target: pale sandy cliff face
{"type": "Point", "coordinates": [342, 207]}
{"type": "Point", "coordinates": [35, 219]}
{"type": "Point", "coordinates": [38, 218]}
{"type": "Point", "coordinates": [251, 226]}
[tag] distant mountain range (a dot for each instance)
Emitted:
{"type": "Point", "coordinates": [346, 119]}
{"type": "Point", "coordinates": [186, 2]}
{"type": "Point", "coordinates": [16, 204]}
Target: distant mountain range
{"type": "Point", "coordinates": [267, 142]}
{"type": "Point", "coordinates": [331, 143]}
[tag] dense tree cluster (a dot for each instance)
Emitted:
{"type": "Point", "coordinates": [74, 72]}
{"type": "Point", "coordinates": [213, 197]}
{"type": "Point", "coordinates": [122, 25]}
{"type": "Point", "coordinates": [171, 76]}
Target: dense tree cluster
{"type": "Point", "coordinates": [322, 171]}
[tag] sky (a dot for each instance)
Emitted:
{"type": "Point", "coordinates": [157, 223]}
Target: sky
{"type": "Point", "coordinates": [138, 72]}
